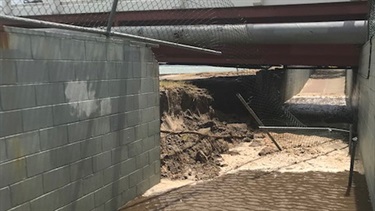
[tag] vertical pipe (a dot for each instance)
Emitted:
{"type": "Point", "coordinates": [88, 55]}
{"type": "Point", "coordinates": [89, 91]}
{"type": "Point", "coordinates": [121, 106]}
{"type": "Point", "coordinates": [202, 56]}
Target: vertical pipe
{"type": "Point", "coordinates": [350, 138]}
{"type": "Point", "coordinates": [111, 16]}
{"type": "Point", "coordinates": [352, 159]}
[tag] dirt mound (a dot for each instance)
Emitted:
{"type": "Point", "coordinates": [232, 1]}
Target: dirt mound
{"type": "Point", "coordinates": [192, 137]}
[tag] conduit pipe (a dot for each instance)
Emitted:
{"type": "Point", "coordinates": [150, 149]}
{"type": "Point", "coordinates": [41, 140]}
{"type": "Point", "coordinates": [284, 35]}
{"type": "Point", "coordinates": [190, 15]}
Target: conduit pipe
{"type": "Point", "coordinates": [339, 32]}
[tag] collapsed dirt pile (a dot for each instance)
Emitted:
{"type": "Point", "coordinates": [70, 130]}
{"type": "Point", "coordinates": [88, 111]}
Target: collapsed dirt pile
{"type": "Point", "coordinates": [193, 138]}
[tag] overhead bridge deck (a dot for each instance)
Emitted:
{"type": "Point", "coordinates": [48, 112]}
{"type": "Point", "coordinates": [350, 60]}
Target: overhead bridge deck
{"type": "Point", "coordinates": [235, 54]}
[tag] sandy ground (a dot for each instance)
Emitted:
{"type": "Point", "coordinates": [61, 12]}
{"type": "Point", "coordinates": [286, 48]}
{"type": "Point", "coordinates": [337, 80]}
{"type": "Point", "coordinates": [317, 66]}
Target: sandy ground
{"type": "Point", "coordinates": [300, 154]}
{"type": "Point", "coordinates": [182, 77]}
{"type": "Point", "coordinates": [322, 151]}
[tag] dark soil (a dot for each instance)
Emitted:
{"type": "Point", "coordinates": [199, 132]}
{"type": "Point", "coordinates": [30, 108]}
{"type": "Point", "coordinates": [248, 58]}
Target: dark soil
{"type": "Point", "coordinates": [195, 153]}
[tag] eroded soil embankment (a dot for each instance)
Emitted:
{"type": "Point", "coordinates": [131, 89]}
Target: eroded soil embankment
{"type": "Point", "coordinates": [206, 130]}
{"type": "Point", "coordinates": [193, 138]}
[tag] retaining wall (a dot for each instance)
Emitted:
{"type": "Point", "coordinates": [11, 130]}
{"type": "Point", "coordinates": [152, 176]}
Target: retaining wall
{"type": "Point", "coordinates": [366, 115]}
{"type": "Point", "coordinates": [79, 121]}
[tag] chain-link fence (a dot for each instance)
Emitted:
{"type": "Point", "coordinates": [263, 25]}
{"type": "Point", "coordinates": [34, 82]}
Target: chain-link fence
{"type": "Point", "coordinates": [371, 21]}
{"type": "Point", "coordinates": [185, 22]}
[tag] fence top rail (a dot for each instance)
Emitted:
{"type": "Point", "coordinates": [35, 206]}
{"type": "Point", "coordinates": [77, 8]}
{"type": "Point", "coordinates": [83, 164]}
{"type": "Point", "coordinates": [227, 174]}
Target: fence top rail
{"type": "Point", "coordinates": [105, 32]}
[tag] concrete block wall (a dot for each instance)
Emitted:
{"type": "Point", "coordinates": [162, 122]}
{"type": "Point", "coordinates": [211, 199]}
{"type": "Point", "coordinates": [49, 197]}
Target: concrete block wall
{"type": "Point", "coordinates": [79, 121]}
{"type": "Point", "coordinates": [366, 115]}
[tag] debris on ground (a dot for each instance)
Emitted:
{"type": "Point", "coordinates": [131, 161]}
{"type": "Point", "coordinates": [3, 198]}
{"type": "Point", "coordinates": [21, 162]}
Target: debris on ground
{"type": "Point", "coordinates": [193, 138]}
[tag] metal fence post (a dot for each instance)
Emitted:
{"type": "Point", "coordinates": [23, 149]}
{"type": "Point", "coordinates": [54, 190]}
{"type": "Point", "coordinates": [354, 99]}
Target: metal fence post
{"type": "Point", "coordinates": [111, 16]}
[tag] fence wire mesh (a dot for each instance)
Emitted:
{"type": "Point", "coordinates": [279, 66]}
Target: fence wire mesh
{"type": "Point", "coordinates": [371, 21]}
{"type": "Point", "coordinates": [190, 22]}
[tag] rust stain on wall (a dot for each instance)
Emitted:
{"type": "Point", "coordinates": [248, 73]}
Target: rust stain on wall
{"type": "Point", "coordinates": [4, 39]}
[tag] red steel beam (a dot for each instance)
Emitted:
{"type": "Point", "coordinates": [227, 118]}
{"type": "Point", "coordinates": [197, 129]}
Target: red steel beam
{"type": "Point", "coordinates": [253, 55]}
{"type": "Point", "coordinates": [339, 11]}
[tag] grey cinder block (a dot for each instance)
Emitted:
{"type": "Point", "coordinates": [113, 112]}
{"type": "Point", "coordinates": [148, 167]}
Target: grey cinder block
{"type": "Point", "coordinates": [86, 203]}
{"type": "Point", "coordinates": [137, 69]}
{"type": "Point", "coordinates": [88, 109]}
{"type": "Point", "coordinates": [7, 72]}
{"type": "Point", "coordinates": [135, 178]}
{"type": "Point", "coordinates": [147, 85]}
{"type": "Point", "coordinates": [72, 49]}
{"type": "Point", "coordinates": [115, 52]}
{"type": "Point", "coordinates": [81, 169]}
{"type": "Point", "coordinates": [133, 86]}
{"type": "Point", "coordinates": [22, 207]}
{"type": "Point", "coordinates": [110, 71]}
{"type": "Point", "coordinates": [96, 51]}
{"type": "Point", "coordinates": [49, 201]}
{"type": "Point", "coordinates": [92, 182]}
{"type": "Point", "coordinates": [17, 97]}
{"type": "Point", "coordinates": [133, 118]}
{"type": "Point", "coordinates": [105, 107]}
{"type": "Point", "coordinates": [77, 91]}
{"type": "Point", "coordinates": [5, 199]}
{"type": "Point", "coordinates": [32, 71]}
{"type": "Point", "coordinates": [3, 151]}
{"type": "Point", "coordinates": [103, 194]}
{"type": "Point", "coordinates": [97, 89]}
{"type": "Point", "coordinates": [53, 137]}
{"type": "Point", "coordinates": [142, 160]}
{"type": "Point", "coordinates": [45, 48]}
{"type": "Point", "coordinates": [38, 163]}
{"type": "Point", "coordinates": [148, 115]}
{"type": "Point", "coordinates": [48, 94]}
{"type": "Point", "coordinates": [120, 154]}
{"type": "Point", "coordinates": [117, 122]}
{"type": "Point", "coordinates": [132, 53]}
{"type": "Point", "coordinates": [80, 130]}
{"type": "Point", "coordinates": [102, 161]}
{"type": "Point", "coordinates": [16, 171]}
{"type": "Point", "coordinates": [65, 113]}
{"type": "Point", "coordinates": [148, 171]}
{"type": "Point", "coordinates": [86, 71]}
{"type": "Point", "coordinates": [124, 70]}
{"type": "Point", "coordinates": [91, 147]}
{"type": "Point", "coordinates": [141, 131]}
{"type": "Point", "coordinates": [37, 118]}
{"type": "Point", "coordinates": [127, 136]}
{"type": "Point", "coordinates": [154, 127]}
{"type": "Point", "coordinates": [56, 178]}
{"type": "Point", "coordinates": [143, 186]}
{"type": "Point", "coordinates": [26, 190]}
{"type": "Point", "coordinates": [18, 47]}
{"type": "Point", "coordinates": [60, 71]}
{"type": "Point", "coordinates": [112, 173]}
{"type": "Point", "coordinates": [110, 141]}
{"type": "Point", "coordinates": [148, 143]}
{"type": "Point", "coordinates": [135, 148]}
{"type": "Point", "coordinates": [154, 179]}
{"type": "Point", "coordinates": [128, 166]}
{"type": "Point", "coordinates": [22, 145]}
{"type": "Point", "coordinates": [130, 194]}
{"type": "Point", "coordinates": [154, 154]}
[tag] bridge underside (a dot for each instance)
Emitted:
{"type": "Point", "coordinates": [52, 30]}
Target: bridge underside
{"type": "Point", "coordinates": [241, 55]}
{"type": "Point", "coordinates": [341, 55]}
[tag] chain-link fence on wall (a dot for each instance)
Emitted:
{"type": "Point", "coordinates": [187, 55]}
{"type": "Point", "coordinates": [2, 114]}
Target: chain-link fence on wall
{"type": "Point", "coordinates": [189, 22]}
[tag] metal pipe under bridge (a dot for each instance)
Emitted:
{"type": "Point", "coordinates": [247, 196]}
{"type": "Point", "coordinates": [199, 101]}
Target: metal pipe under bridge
{"type": "Point", "coordinates": [321, 34]}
